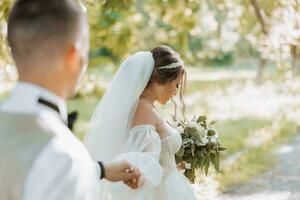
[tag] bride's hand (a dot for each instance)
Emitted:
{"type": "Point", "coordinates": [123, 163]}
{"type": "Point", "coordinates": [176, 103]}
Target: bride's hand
{"type": "Point", "coordinates": [181, 166]}
{"type": "Point", "coordinates": [123, 171]}
{"type": "Point", "coordinates": [135, 184]}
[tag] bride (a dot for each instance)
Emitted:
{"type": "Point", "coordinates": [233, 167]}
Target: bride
{"type": "Point", "coordinates": [126, 125]}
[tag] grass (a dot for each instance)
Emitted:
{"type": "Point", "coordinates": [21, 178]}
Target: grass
{"type": "Point", "coordinates": [259, 159]}
{"type": "Point", "coordinates": [234, 132]}
{"type": "Point", "coordinates": [251, 163]}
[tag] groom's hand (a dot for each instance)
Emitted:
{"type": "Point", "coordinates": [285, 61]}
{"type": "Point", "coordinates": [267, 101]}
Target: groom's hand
{"type": "Point", "coordinates": [122, 171]}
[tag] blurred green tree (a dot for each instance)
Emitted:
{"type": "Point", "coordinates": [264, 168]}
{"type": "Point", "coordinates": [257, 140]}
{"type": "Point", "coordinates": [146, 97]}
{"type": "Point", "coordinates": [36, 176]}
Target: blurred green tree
{"type": "Point", "coordinates": [4, 51]}
{"type": "Point", "coordinates": [207, 32]}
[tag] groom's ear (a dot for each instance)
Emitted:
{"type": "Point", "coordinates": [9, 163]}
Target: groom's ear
{"type": "Point", "coordinates": [72, 58]}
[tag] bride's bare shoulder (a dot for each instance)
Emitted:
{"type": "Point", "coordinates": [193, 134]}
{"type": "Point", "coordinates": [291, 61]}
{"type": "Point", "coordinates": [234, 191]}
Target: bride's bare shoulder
{"type": "Point", "coordinates": [145, 114]}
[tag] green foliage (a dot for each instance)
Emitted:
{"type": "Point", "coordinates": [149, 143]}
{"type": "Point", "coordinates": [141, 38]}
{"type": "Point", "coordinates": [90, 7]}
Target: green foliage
{"type": "Point", "coordinates": [214, 32]}
{"type": "Point", "coordinates": [119, 29]}
{"type": "Point", "coordinates": [111, 31]}
{"type": "Point", "coordinates": [200, 146]}
{"type": "Point", "coordinates": [223, 58]}
{"type": "Point", "coordinates": [4, 50]}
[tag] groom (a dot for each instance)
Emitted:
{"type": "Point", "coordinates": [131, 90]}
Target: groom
{"type": "Point", "coordinates": [39, 156]}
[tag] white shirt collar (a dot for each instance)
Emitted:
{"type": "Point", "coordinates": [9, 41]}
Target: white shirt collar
{"type": "Point", "coordinates": [25, 97]}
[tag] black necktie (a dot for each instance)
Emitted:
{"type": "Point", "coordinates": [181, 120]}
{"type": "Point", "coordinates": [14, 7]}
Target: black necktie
{"type": "Point", "coordinates": [72, 117]}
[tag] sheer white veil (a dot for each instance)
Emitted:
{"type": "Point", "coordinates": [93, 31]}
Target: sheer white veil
{"type": "Point", "coordinates": [110, 124]}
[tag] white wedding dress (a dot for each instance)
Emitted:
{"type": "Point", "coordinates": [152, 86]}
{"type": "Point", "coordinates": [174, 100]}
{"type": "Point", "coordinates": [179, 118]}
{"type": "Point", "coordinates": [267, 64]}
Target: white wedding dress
{"type": "Point", "coordinates": [173, 185]}
{"type": "Point", "coordinates": [112, 138]}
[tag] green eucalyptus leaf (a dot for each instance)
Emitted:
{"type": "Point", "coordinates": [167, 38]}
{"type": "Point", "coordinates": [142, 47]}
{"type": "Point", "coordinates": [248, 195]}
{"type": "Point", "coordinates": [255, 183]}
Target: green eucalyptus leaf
{"type": "Point", "coordinates": [211, 132]}
{"type": "Point", "coordinates": [212, 123]}
{"type": "Point", "coordinates": [215, 161]}
{"type": "Point", "coordinates": [202, 119]}
{"type": "Point", "coordinates": [180, 153]}
{"type": "Point", "coordinates": [207, 165]}
{"type": "Point", "coordinates": [221, 148]}
{"type": "Point", "coordinates": [193, 150]}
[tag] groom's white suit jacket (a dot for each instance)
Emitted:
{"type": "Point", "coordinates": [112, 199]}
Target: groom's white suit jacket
{"type": "Point", "coordinates": [62, 169]}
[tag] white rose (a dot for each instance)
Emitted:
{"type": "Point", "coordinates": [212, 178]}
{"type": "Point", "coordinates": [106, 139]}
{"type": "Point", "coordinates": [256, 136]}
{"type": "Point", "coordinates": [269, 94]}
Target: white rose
{"type": "Point", "coordinates": [193, 124]}
{"type": "Point", "coordinates": [204, 140]}
{"type": "Point", "coordinates": [214, 138]}
{"type": "Point", "coordinates": [203, 133]}
{"type": "Point", "coordinates": [187, 165]}
{"type": "Point", "coordinates": [179, 129]}
{"type": "Point", "coordinates": [200, 128]}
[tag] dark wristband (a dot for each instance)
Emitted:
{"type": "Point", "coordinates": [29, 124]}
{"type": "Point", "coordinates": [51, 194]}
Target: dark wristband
{"type": "Point", "coordinates": [102, 169]}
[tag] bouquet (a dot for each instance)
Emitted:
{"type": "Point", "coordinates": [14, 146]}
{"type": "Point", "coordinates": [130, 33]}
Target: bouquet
{"type": "Point", "coordinates": [200, 146]}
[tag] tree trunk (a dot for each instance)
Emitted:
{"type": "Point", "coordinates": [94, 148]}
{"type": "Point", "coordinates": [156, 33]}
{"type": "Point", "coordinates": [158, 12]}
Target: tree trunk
{"type": "Point", "coordinates": [295, 65]}
{"type": "Point", "coordinates": [261, 16]}
{"type": "Point", "coordinates": [295, 50]}
{"type": "Point", "coordinates": [260, 71]}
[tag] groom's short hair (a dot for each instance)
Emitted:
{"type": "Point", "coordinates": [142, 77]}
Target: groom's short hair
{"type": "Point", "coordinates": [43, 27]}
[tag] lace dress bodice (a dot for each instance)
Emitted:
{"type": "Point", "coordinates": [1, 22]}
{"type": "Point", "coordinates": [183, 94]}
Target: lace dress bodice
{"type": "Point", "coordinates": [173, 185]}
{"type": "Point", "coordinates": [169, 146]}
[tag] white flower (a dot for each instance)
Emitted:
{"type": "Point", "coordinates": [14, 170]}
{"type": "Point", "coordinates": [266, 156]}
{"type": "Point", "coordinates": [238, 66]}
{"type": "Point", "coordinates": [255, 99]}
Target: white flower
{"type": "Point", "coordinates": [180, 129]}
{"type": "Point", "coordinates": [187, 165]}
{"type": "Point", "coordinates": [204, 140]}
{"type": "Point", "coordinates": [203, 133]}
{"type": "Point", "coordinates": [192, 124]}
{"type": "Point", "coordinates": [214, 138]}
{"type": "Point", "coordinates": [200, 128]}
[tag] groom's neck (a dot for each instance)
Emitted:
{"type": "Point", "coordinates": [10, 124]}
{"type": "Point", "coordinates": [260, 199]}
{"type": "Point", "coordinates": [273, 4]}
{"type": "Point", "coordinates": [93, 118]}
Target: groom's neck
{"type": "Point", "coordinates": [45, 81]}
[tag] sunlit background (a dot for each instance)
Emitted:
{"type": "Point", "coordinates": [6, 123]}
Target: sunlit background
{"type": "Point", "coordinates": [243, 63]}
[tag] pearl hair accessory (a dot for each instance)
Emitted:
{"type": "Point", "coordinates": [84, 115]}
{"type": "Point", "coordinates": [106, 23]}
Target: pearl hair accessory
{"type": "Point", "coordinates": [171, 65]}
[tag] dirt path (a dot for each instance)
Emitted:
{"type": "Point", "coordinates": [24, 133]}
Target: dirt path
{"type": "Point", "coordinates": [281, 183]}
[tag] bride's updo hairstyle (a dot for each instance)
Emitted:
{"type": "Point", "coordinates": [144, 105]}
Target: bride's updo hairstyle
{"type": "Point", "coordinates": [167, 67]}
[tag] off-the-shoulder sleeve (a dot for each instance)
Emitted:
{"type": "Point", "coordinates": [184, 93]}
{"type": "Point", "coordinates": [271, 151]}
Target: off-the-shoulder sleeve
{"type": "Point", "coordinates": [143, 138]}
{"type": "Point", "coordinates": [142, 150]}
